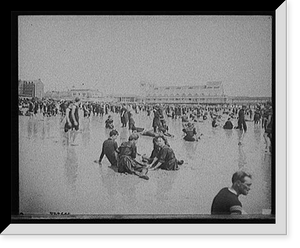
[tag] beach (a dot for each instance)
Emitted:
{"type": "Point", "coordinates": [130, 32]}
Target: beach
{"type": "Point", "coordinates": [55, 177]}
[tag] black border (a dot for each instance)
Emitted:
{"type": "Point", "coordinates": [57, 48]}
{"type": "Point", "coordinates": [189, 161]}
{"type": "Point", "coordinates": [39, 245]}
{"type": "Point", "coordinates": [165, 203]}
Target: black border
{"type": "Point", "coordinates": [15, 218]}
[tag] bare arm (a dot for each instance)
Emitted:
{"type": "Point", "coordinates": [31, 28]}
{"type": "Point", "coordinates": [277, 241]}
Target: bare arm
{"type": "Point", "coordinates": [102, 154]}
{"type": "Point", "coordinates": [153, 162]}
{"type": "Point", "coordinates": [156, 166]}
{"type": "Point", "coordinates": [67, 116]}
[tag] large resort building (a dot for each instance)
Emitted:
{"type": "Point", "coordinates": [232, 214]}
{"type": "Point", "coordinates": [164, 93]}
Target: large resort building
{"type": "Point", "coordinates": [208, 93]}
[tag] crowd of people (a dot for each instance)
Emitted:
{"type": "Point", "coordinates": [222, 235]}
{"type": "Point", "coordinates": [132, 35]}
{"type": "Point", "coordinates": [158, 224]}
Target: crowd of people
{"type": "Point", "coordinates": [260, 114]}
{"type": "Point", "coordinates": [125, 158]}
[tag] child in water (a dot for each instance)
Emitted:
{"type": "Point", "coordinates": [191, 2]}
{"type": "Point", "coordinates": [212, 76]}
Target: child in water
{"type": "Point", "coordinates": [109, 122]}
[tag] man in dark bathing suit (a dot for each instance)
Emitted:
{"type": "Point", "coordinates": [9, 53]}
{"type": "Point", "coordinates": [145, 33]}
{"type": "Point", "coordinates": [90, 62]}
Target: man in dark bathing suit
{"type": "Point", "coordinates": [72, 120]}
{"type": "Point", "coordinates": [109, 149]}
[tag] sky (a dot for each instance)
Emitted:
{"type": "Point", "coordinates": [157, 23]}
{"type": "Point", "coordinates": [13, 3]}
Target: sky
{"type": "Point", "coordinates": [114, 53]}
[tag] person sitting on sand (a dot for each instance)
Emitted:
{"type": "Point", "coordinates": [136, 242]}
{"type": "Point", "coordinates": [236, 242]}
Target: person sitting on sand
{"type": "Point", "coordinates": [109, 149]}
{"type": "Point", "coordinates": [190, 132]}
{"type": "Point", "coordinates": [163, 128]}
{"type": "Point", "coordinates": [228, 124]}
{"type": "Point", "coordinates": [165, 159]}
{"type": "Point", "coordinates": [127, 162]}
{"type": "Point", "coordinates": [155, 150]}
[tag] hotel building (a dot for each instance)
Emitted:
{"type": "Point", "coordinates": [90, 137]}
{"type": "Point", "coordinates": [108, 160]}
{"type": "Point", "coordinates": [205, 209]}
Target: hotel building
{"type": "Point", "coordinates": [209, 93]}
{"type": "Point", "coordinates": [33, 88]}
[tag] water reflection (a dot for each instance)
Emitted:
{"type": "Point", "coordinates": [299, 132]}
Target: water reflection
{"type": "Point", "coordinates": [191, 148]}
{"type": "Point", "coordinates": [228, 133]}
{"type": "Point", "coordinates": [165, 184]}
{"type": "Point", "coordinates": [108, 178]}
{"type": "Point", "coordinates": [29, 129]}
{"type": "Point", "coordinates": [267, 178]}
{"type": "Point", "coordinates": [257, 133]}
{"type": "Point", "coordinates": [86, 138]}
{"type": "Point", "coordinates": [241, 135]}
{"type": "Point", "coordinates": [43, 131]}
{"type": "Point", "coordinates": [242, 159]}
{"type": "Point", "coordinates": [126, 187]}
{"type": "Point", "coordinates": [71, 167]}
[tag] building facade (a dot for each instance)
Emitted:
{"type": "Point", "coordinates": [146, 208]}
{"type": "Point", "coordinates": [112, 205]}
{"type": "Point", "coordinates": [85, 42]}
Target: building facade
{"type": "Point", "coordinates": [33, 88]}
{"type": "Point", "coordinates": [58, 95]}
{"type": "Point", "coordinates": [240, 100]}
{"type": "Point", "coordinates": [86, 94]}
{"type": "Point", "coordinates": [209, 93]}
{"type": "Point", "coordinates": [127, 98]}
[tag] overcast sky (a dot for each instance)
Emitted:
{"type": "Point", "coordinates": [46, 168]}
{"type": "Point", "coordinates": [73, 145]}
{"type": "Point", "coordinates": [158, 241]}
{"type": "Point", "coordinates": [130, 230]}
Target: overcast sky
{"type": "Point", "coordinates": [115, 53]}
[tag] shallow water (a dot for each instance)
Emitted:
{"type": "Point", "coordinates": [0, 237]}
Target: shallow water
{"type": "Point", "coordinates": [57, 177]}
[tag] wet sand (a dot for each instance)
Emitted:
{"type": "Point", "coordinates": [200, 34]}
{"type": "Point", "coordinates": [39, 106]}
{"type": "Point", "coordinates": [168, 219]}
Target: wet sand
{"type": "Point", "coordinates": [57, 177]}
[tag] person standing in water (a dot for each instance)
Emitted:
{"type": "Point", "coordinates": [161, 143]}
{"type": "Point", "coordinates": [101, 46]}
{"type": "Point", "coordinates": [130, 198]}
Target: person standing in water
{"type": "Point", "coordinates": [156, 119]}
{"type": "Point", "coordinates": [72, 121]}
{"type": "Point", "coordinates": [124, 116]}
{"type": "Point", "coordinates": [242, 124]}
{"type": "Point", "coordinates": [268, 129]}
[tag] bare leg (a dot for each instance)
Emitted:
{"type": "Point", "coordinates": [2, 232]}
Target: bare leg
{"type": "Point", "coordinates": [267, 141]}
